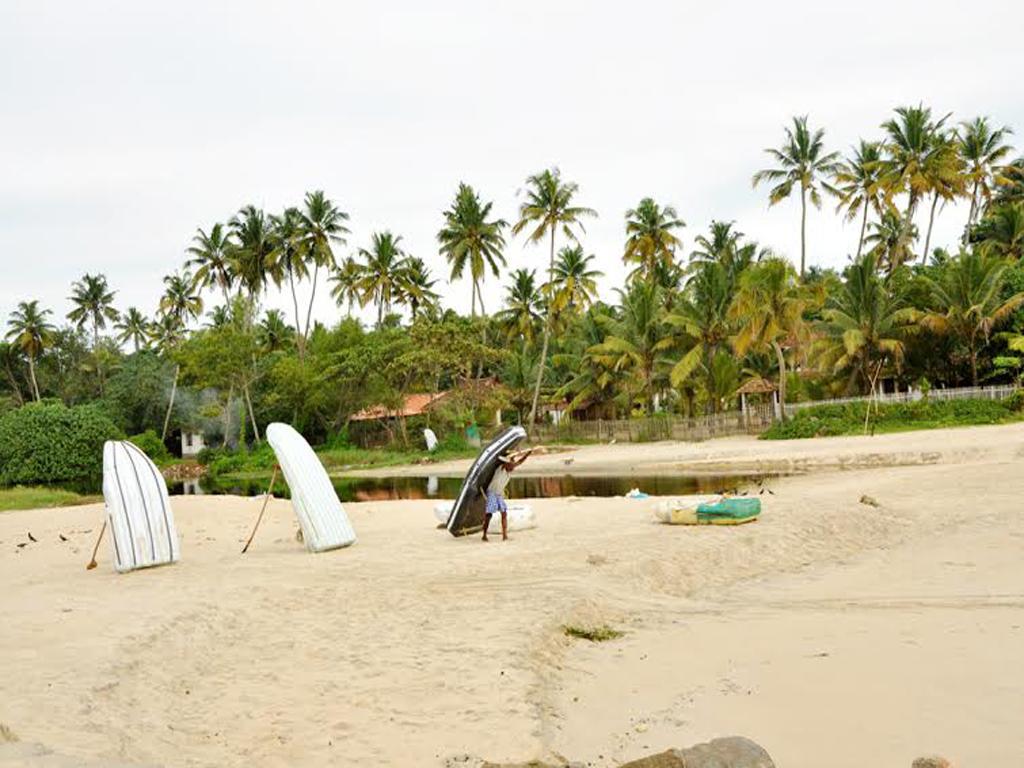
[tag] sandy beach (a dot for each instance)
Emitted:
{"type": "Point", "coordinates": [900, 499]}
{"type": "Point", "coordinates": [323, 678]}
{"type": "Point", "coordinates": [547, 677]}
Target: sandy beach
{"type": "Point", "coordinates": [831, 631]}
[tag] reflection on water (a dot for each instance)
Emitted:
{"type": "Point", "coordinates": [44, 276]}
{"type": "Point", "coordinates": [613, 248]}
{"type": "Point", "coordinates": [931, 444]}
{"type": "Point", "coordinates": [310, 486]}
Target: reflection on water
{"type": "Point", "coordinates": [524, 486]}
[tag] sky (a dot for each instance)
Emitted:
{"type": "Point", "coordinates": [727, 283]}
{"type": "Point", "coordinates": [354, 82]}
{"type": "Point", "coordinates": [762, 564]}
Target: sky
{"type": "Point", "coordinates": [124, 126]}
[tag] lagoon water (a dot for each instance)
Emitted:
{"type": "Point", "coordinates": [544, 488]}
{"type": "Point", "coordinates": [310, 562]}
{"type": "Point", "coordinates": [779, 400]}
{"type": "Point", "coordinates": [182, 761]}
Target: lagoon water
{"type": "Point", "coordinates": [524, 486]}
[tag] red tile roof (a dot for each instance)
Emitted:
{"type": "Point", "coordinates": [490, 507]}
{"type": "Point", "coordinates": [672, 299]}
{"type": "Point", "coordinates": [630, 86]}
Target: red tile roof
{"type": "Point", "coordinates": [414, 405]}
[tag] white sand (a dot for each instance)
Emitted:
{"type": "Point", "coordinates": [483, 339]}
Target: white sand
{"type": "Point", "coordinates": [830, 631]}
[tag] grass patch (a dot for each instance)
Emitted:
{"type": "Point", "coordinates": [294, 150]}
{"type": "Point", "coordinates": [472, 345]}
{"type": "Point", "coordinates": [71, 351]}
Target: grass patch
{"type": "Point", "coordinates": [40, 497]}
{"type": "Point", "coordinates": [599, 634]}
{"type": "Point", "coordinates": [849, 418]}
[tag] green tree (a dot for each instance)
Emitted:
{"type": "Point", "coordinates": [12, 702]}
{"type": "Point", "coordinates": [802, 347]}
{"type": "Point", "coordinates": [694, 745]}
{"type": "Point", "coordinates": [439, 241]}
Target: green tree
{"type": "Point", "coordinates": [856, 182]}
{"type": "Point", "coordinates": [650, 236]}
{"type": "Point", "coordinates": [288, 260]}
{"type": "Point", "coordinates": [30, 331]}
{"type": "Point", "coordinates": [132, 326]}
{"type": "Point", "coordinates": [211, 258]}
{"type": "Point", "coordinates": [471, 238]}
{"type": "Point", "coordinates": [322, 224]}
{"type": "Point", "coordinates": [967, 300]}
{"type": "Point", "coordinates": [575, 283]}
{"type": "Point", "coordinates": [983, 149]}
{"type": "Point", "coordinates": [768, 311]}
{"type": "Point", "coordinates": [637, 341]}
{"type": "Point", "coordinates": [1001, 232]}
{"type": "Point", "coordinates": [346, 279]}
{"type": "Point", "coordinates": [416, 287]}
{"type": "Point", "coordinates": [920, 159]}
{"type": "Point", "coordinates": [889, 241]}
{"type": "Point", "coordinates": [273, 333]}
{"type": "Point", "coordinates": [10, 361]}
{"type": "Point", "coordinates": [93, 302]}
{"type": "Point", "coordinates": [250, 256]}
{"type": "Point", "coordinates": [547, 209]}
{"type": "Point", "coordinates": [178, 305]}
{"type": "Point", "coordinates": [521, 315]}
{"type": "Point", "coordinates": [382, 272]}
{"type": "Point", "coordinates": [802, 162]}
{"type": "Point", "coordinates": [865, 324]}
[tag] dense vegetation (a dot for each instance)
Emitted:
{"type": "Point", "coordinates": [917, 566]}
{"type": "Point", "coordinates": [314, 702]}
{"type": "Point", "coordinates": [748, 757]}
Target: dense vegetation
{"type": "Point", "coordinates": [866, 417]}
{"type": "Point", "coordinates": [687, 329]}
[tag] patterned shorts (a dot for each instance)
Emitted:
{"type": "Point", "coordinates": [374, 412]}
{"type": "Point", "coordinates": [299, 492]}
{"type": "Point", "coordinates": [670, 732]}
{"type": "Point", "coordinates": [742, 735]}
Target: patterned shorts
{"type": "Point", "coordinates": [495, 503]}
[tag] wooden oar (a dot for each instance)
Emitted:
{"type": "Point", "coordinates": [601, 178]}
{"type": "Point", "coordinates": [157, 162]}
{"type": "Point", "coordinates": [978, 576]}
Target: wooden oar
{"type": "Point", "coordinates": [263, 509]}
{"type": "Point", "coordinates": [92, 563]}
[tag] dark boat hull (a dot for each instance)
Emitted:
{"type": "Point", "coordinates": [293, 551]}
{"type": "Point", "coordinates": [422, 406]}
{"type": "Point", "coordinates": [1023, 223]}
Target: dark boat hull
{"type": "Point", "coordinates": [468, 513]}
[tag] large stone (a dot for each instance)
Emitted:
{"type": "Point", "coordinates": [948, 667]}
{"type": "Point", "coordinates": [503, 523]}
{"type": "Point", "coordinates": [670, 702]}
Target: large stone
{"type": "Point", "coordinates": [728, 752]}
{"type": "Point", "coordinates": [931, 762]}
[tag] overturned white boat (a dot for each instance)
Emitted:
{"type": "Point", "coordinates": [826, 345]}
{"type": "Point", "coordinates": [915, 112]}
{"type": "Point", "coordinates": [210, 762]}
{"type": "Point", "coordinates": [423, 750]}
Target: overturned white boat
{"type": "Point", "coordinates": [520, 516]}
{"type": "Point", "coordinates": [321, 516]}
{"type": "Point", "coordinates": [138, 509]}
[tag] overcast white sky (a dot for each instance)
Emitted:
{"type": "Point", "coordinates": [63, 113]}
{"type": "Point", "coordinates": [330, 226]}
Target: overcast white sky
{"type": "Point", "coordinates": [125, 125]}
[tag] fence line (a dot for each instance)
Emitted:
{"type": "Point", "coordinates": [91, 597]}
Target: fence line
{"type": "Point", "coordinates": [753, 421]}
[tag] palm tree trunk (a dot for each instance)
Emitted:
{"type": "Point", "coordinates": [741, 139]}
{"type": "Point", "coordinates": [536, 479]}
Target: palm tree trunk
{"type": "Point", "coordinates": [931, 220]}
{"type": "Point", "coordinates": [15, 388]}
{"type": "Point", "coordinates": [309, 310]}
{"type": "Point", "coordinates": [547, 334]}
{"type": "Point", "coordinates": [32, 375]}
{"type": "Point", "coordinates": [299, 340]}
{"type": "Point", "coordinates": [96, 353]}
{"type": "Point", "coordinates": [227, 414]}
{"type": "Point", "coordinates": [252, 416]}
{"type": "Point", "coordinates": [781, 357]}
{"type": "Point", "coordinates": [972, 213]}
{"type": "Point", "coordinates": [803, 230]}
{"type": "Point", "coordinates": [863, 227]}
{"type": "Point", "coordinates": [170, 404]}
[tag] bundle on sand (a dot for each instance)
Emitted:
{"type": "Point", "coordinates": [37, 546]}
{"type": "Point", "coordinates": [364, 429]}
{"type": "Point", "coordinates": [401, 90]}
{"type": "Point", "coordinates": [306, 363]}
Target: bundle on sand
{"type": "Point", "coordinates": [708, 510]}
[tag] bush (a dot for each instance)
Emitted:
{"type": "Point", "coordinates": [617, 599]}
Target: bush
{"type": "Point", "coordinates": [51, 443]}
{"type": "Point", "coordinates": [1015, 402]}
{"type": "Point", "coordinates": [849, 418]}
{"type": "Point", "coordinates": [257, 460]}
{"type": "Point", "coordinates": [152, 446]}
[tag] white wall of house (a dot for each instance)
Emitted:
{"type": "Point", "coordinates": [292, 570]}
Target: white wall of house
{"type": "Point", "coordinates": [191, 444]}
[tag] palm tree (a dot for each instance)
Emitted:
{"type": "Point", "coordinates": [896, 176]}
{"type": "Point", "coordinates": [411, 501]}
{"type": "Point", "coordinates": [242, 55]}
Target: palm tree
{"type": "Point", "coordinates": [322, 223]}
{"type": "Point", "coordinates": [93, 302]}
{"type": "Point", "coordinates": [273, 332]}
{"type": "Point", "coordinates": [967, 300]}
{"type": "Point", "coordinates": [1001, 232]}
{"type": "Point", "coordinates": [178, 305]}
{"type": "Point", "coordinates": [590, 382]}
{"type": "Point", "coordinates": [575, 283]}
{"type": "Point", "coordinates": [211, 259]}
{"type": "Point", "coordinates": [983, 149]}
{"type": "Point", "coordinates": [522, 313]}
{"type": "Point", "coordinates": [701, 315]}
{"type": "Point", "coordinates": [864, 323]}
{"type": "Point", "coordinates": [768, 311]}
{"type": "Point", "coordinates": [133, 326]}
{"type": "Point", "coordinates": [802, 160]}
{"type": "Point", "coordinates": [346, 279]}
{"type": "Point", "coordinates": [889, 241]}
{"type": "Point", "coordinates": [650, 237]}
{"type": "Point", "coordinates": [725, 246]}
{"type": "Point", "coordinates": [382, 272]}
{"type": "Point", "coordinates": [548, 207]}
{"type": "Point", "coordinates": [250, 255]}
{"type": "Point", "coordinates": [637, 341]}
{"type": "Point", "coordinates": [920, 159]}
{"type": "Point", "coordinates": [287, 258]}
{"type": "Point", "coordinates": [856, 184]}
{"type": "Point", "coordinates": [415, 286]}
{"type": "Point", "coordinates": [30, 331]}
{"type": "Point", "coordinates": [471, 238]}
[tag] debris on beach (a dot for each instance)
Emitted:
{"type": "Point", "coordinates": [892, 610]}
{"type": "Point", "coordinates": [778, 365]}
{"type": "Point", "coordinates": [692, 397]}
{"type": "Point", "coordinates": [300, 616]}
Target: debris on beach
{"type": "Point", "coordinates": [869, 500]}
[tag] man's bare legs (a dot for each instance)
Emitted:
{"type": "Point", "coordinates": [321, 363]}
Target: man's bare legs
{"type": "Point", "coordinates": [487, 523]}
{"type": "Point", "coordinates": [504, 525]}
